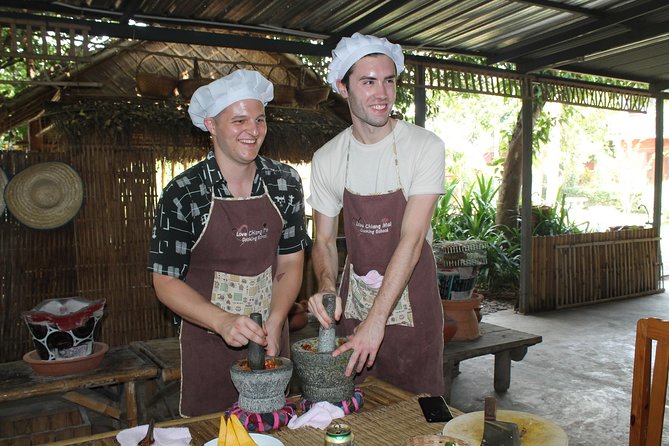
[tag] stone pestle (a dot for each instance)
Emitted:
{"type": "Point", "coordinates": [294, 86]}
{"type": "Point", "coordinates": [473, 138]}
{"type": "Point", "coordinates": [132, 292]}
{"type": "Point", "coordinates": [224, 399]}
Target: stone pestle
{"type": "Point", "coordinates": [321, 374]}
{"type": "Point", "coordinates": [326, 336]}
{"type": "Point", "coordinates": [261, 388]}
{"type": "Point", "coordinates": [256, 351]}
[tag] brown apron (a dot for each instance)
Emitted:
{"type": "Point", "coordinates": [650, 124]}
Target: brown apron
{"type": "Point", "coordinates": [232, 263]}
{"type": "Point", "coordinates": [411, 354]}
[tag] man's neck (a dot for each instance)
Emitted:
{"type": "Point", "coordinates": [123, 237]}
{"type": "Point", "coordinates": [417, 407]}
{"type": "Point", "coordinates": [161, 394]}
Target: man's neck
{"type": "Point", "coordinates": [369, 134]}
{"type": "Point", "coordinates": [239, 177]}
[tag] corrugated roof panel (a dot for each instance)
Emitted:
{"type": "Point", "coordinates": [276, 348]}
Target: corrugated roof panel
{"type": "Point", "coordinates": [636, 60]}
{"type": "Point", "coordinates": [536, 35]}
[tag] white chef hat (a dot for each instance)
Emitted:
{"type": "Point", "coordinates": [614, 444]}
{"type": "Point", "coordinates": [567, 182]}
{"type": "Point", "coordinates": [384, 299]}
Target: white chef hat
{"type": "Point", "coordinates": [351, 49]}
{"type": "Point", "coordinates": [211, 99]}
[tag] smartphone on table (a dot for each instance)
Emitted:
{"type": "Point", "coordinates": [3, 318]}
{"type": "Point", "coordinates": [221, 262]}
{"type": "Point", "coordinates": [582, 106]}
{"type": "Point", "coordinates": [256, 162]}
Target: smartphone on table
{"type": "Point", "coordinates": [435, 409]}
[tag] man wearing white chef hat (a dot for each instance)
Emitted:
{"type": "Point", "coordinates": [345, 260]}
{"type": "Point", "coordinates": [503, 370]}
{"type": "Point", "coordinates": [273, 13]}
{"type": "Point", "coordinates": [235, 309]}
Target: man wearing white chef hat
{"type": "Point", "coordinates": [228, 240]}
{"type": "Point", "coordinates": [386, 175]}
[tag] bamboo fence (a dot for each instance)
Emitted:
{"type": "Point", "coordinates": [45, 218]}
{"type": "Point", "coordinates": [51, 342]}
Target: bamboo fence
{"type": "Point", "coordinates": [582, 269]}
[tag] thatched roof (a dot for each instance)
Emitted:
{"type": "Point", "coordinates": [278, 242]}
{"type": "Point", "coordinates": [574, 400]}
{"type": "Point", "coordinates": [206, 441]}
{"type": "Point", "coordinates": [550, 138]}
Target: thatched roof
{"type": "Point", "coordinates": [293, 133]}
{"type": "Point", "coordinates": [106, 100]}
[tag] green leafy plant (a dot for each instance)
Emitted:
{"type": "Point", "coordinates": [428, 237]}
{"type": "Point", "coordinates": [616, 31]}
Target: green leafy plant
{"type": "Point", "coordinates": [553, 220]}
{"type": "Point", "coordinates": [471, 216]}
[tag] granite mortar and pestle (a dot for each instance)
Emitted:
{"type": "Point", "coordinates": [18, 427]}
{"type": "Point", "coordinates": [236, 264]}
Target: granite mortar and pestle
{"type": "Point", "coordinates": [321, 374]}
{"type": "Point", "coordinates": [260, 381]}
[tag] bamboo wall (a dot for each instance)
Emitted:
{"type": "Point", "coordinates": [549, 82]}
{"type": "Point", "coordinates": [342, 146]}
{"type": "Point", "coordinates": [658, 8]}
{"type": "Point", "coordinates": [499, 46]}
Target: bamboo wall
{"type": "Point", "coordinates": [34, 265]}
{"type": "Point", "coordinates": [112, 234]}
{"type": "Point", "coordinates": [581, 269]}
{"type": "Point", "coordinates": [102, 253]}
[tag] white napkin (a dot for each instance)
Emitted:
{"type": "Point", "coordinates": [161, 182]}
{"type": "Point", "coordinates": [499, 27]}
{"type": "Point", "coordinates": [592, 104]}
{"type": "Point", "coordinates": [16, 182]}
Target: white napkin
{"type": "Point", "coordinates": [319, 416]}
{"type": "Point", "coordinates": [170, 436]}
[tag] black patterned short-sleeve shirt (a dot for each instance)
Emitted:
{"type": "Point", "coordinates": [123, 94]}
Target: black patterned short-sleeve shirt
{"type": "Point", "coordinates": [183, 211]}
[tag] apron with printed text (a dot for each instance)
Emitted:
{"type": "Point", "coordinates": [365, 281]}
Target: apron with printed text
{"type": "Point", "coordinates": [411, 354]}
{"type": "Point", "coordinates": [232, 263]}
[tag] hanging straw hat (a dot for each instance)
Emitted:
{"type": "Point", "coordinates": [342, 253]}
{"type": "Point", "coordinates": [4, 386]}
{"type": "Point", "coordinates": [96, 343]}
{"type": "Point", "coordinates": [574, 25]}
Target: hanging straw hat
{"type": "Point", "coordinates": [3, 183]}
{"type": "Point", "coordinates": [45, 196]}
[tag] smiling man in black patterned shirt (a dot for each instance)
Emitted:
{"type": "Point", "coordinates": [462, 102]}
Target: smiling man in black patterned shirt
{"type": "Point", "coordinates": [228, 240]}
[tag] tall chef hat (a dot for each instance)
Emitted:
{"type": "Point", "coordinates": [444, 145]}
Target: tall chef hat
{"type": "Point", "coordinates": [211, 99]}
{"type": "Point", "coordinates": [351, 49]}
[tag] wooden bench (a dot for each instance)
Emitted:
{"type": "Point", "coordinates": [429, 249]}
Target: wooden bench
{"type": "Point", "coordinates": [120, 366]}
{"type": "Point", "coordinates": [506, 344]}
{"type": "Point", "coordinates": [164, 353]}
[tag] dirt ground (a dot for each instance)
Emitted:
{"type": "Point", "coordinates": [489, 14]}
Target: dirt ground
{"type": "Point", "coordinates": [498, 301]}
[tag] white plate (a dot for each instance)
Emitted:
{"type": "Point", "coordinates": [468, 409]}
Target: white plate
{"type": "Point", "coordinates": [261, 439]}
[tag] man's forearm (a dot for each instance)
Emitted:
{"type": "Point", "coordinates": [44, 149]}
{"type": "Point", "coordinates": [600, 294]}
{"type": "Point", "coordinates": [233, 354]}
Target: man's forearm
{"type": "Point", "coordinates": [326, 264]}
{"type": "Point", "coordinates": [286, 285]}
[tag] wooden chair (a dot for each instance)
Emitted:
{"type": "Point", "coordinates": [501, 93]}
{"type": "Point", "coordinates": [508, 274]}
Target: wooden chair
{"type": "Point", "coordinates": [649, 391]}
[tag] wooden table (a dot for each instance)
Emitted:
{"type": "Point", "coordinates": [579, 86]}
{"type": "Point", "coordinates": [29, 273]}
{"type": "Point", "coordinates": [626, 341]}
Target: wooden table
{"type": "Point", "coordinates": [504, 343]}
{"type": "Point", "coordinates": [388, 412]}
{"type": "Point", "coordinates": [165, 353]}
{"type": "Point", "coordinates": [120, 365]}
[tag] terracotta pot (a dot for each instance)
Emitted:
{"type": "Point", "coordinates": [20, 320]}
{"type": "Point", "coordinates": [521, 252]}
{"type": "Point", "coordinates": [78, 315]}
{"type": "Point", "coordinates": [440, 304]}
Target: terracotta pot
{"type": "Point", "coordinates": [477, 310]}
{"type": "Point", "coordinates": [450, 328]}
{"type": "Point", "coordinates": [297, 317]}
{"type": "Point", "coordinates": [462, 311]}
{"type": "Point", "coordinates": [57, 367]}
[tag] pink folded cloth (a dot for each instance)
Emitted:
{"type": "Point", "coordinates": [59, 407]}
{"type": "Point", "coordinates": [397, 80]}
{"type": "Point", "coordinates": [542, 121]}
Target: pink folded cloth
{"type": "Point", "coordinates": [319, 416]}
{"type": "Point", "coordinates": [169, 436]}
{"type": "Point", "coordinates": [373, 279]}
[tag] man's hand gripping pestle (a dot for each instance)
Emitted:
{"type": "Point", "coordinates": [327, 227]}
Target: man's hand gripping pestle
{"type": "Point", "coordinates": [256, 351]}
{"type": "Point", "coordinates": [326, 336]}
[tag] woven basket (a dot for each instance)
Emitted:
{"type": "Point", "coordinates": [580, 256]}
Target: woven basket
{"type": "Point", "coordinates": [154, 84]}
{"type": "Point", "coordinates": [186, 87]}
{"type": "Point", "coordinates": [312, 96]}
{"type": "Point", "coordinates": [436, 440]}
{"type": "Point", "coordinates": [284, 95]}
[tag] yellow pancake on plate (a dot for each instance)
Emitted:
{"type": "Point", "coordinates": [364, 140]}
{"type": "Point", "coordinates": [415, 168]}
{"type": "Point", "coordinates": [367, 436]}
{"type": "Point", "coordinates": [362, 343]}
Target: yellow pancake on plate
{"type": "Point", "coordinates": [534, 430]}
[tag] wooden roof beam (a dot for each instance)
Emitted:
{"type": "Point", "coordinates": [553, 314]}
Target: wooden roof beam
{"type": "Point", "coordinates": [550, 4]}
{"type": "Point", "coordinates": [174, 35]}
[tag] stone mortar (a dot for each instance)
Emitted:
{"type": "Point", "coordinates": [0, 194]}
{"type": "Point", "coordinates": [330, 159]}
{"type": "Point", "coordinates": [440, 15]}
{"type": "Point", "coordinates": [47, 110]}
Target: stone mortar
{"type": "Point", "coordinates": [321, 374]}
{"type": "Point", "coordinates": [261, 391]}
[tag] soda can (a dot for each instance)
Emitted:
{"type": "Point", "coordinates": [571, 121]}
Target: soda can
{"type": "Point", "coordinates": [339, 433]}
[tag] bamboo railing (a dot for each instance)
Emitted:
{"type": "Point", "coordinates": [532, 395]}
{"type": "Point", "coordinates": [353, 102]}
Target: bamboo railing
{"type": "Point", "coordinates": [581, 269]}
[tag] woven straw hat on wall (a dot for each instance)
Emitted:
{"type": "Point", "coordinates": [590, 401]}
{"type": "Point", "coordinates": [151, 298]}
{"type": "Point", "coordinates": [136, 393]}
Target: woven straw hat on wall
{"type": "Point", "coordinates": [3, 184]}
{"type": "Point", "coordinates": [45, 196]}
